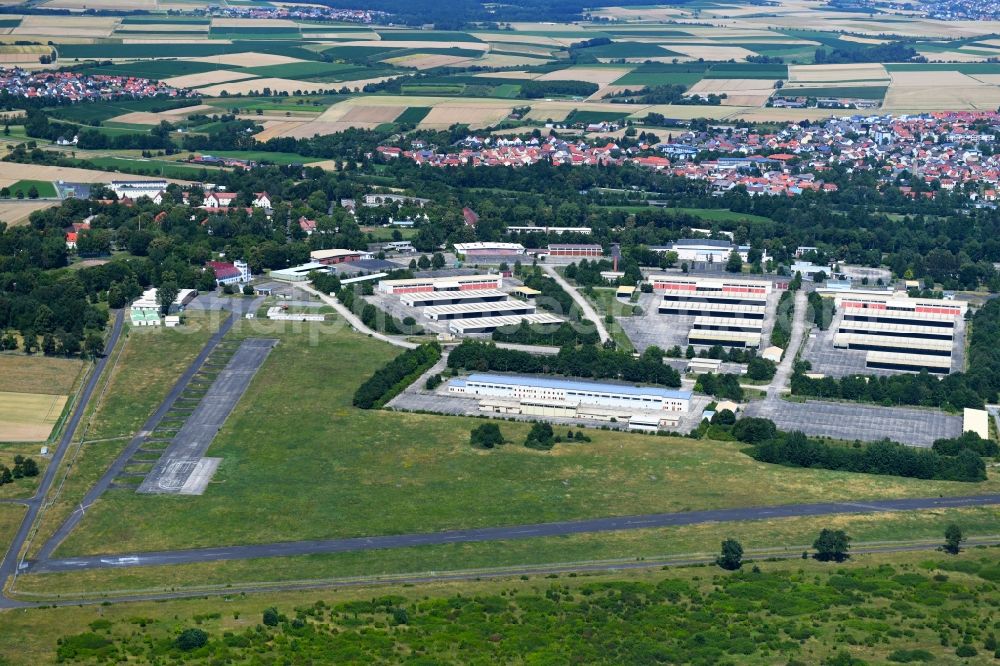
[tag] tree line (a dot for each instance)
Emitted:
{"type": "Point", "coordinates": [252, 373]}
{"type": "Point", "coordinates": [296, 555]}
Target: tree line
{"type": "Point", "coordinates": [392, 378]}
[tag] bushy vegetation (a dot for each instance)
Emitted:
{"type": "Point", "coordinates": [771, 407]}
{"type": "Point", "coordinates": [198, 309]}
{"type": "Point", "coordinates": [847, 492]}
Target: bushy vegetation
{"type": "Point", "coordinates": [23, 467]}
{"type": "Point", "coordinates": [585, 361]}
{"type": "Point", "coordinates": [885, 457]}
{"type": "Point", "coordinates": [487, 436]}
{"type": "Point", "coordinates": [821, 310]}
{"type": "Point", "coordinates": [775, 614]}
{"type": "Point", "coordinates": [723, 386]}
{"type": "Point", "coordinates": [540, 89]}
{"type": "Point", "coordinates": [389, 380]}
{"type": "Point", "coordinates": [558, 335]}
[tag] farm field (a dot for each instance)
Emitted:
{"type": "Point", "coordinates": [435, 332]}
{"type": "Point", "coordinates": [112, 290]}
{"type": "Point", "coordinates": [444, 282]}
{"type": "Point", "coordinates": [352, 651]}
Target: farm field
{"type": "Point", "coordinates": [35, 390]}
{"type": "Point", "coordinates": [42, 188]}
{"type": "Point", "coordinates": [362, 459]}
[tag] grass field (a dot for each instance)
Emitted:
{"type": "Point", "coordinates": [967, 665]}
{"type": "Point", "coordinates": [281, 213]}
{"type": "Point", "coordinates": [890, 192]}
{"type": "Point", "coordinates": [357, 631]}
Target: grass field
{"type": "Point", "coordinates": [45, 189]}
{"type": "Point", "coordinates": [605, 303]}
{"type": "Point", "coordinates": [746, 71]}
{"type": "Point", "coordinates": [39, 374]}
{"type": "Point", "coordinates": [265, 156]}
{"type": "Point", "coordinates": [711, 214]}
{"type": "Point", "coordinates": [870, 608]}
{"type": "Point", "coordinates": [659, 74]}
{"type": "Point", "coordinates": [422, 467]}
{"type": "Point", "coordinates": [587, 117]}
{"type": "Point", "coordinates": [142, 167]}
{"type": "Point", "coordinates": [155, 69]}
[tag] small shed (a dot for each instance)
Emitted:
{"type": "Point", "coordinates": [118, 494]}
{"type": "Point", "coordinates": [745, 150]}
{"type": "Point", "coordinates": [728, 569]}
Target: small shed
{"type": "Point", "coordinates": [624, 292]}
{"type": "Point", "coordinates": [525, 292]}
{"type": "Point", "coordinates": [772, 354]}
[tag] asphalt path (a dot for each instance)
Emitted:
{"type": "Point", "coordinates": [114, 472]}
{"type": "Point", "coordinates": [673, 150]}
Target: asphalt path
{"type": "Point", "coordinates": [588, 310]}
{"type": "Point", "coordinates": [354, 320]}
{"type": "Point", "coordinates": [298, 548]}
{"type": "Point", "coordinates": [9, 564]}
{"type": "Point", "coordinates": [150, 425]}
{"type": "Point", "coordinates": [783, 374]}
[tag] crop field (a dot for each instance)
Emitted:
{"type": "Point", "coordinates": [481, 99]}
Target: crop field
{"type": "Point", "coordinates": [28, 417]}
{"type": "Point", "coordinates": [747, 71]}
{"type": "Point", "coordinates": [360, 460]}
{"type": "Point", "coordinates": [587, 117]}
{"type": "Point", "coordinates": [44, 188]}
{"type": "Point", "coordinates": [154, 69]}
{"type": "Point", "coordinates": [661, 74]}
{"type": "Point", "coordinates": [413, 115]}
{"type": "Point", "coordinates": [846, 92]}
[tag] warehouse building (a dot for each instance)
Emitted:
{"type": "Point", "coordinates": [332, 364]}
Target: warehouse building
{"type": "Point", "coordinates": [977, 421]}
{"type": "Point", "coordinates": [708, 251]}
{"type": "Point", "coordinates": [338, 256]}
{"type": "Point", "coordinates": [474, 250]}
{"type": "Point", "coordinates": [574, 250]}
{"type": "Point", "coordinates": [689, 309]}
{"type": "Point", "coordinates": [578, 393]}
{"type": "Point", "coordinates": [447, 283]}
{"type": "Point", "coordinates": [422, 299]}
{"type": "Point", "coordinates": [899, 333]}
{"type": "Point", "coordinates": [478, 310]}
{"type": "Point", "coordinates": [490, 324]}
{"type": "Point", "coordinates": [549, 230]}
{"type": "Point", "coordinates": [573, 392]}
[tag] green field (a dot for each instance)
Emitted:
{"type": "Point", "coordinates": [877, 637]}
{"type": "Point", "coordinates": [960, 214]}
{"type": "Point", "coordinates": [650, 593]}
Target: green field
{"type": "Point", "coordinates": [291, 48]}
{"type": "Point", "coordinates": [587, 117]}
{"type": "Point", "coordinates": [739, 70]}
{"type": "Point", "coordinates": [629, 50]}
{"type": "Point", "coordinates": [45, 189]}
{"type": "Point", "coordinates": [661, 74]}
{"type": "Point", "coordinates": [413, 115]}
{"type": "Point", "coordinates": [364, 461]}
{"type": "Point", "coordinates": [155, 69]}
{"type": "Point", "coordinates": [92, 112]}
{"type": "Point", "coordinates": [265, 156]}
{"type": "Point", "coordinates": [141, 167]}
{"type": "Point", "coordinates": [851, 92]}
{"type": "Point", "coordinates": [325, 71]}
{"type": "Point", "coordinates": [425, 36]}
{"type": "Point", "coordinates": [885, 608]}
{"type": "Point", "coordinates": [963, 67]}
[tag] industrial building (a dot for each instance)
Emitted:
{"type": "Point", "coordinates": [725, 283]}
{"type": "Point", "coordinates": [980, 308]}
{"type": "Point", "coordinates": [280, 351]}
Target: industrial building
{"type": "Point", "coordinates": [726, 331]}
{"type": "Point", "coordinates": [145, 310]}
{"type": "Point", "coordinates": [446, 283]}
{"type": "Point", "coordinates": [574, 250]}
{"type": "Point", "coordinates": [899, 333]}
{"type": "Point", "coordinates": [549, 230]}
{"type": "Point", "coordinates": [703, 250]}
{"type": "Point", "coordinates": [423, 299]}
{"type": "Point", "coordinates": [298, 273]}
{"type": "Point", "coordinates": [490, 324]}
{"type": "Point", "coordinates": [712, 297]}
{"type": "Point", "coordinates": [473, 250]}
{"type": "Point", "coordinates": [338, 256]}
{"type": "Point", "coordinates": [478, 310]}
{"type": "Point", "coordinates": [572, 392]}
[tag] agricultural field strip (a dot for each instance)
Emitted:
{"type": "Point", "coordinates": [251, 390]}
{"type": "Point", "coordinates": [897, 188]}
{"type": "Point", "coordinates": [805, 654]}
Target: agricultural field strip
{"type": "Point", "coordinates": [294, 548]}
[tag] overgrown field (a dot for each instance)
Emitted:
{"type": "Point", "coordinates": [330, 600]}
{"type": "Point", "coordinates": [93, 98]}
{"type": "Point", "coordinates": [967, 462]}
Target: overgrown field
{"type": "Point", "coordinates": [889, 608]}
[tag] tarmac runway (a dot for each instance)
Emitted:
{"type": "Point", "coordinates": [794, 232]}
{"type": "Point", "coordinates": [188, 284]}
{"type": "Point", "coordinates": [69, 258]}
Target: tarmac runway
{"type": "Point", "coordinates": [293, 548]}
{"type": "Point", "coordinates": [183, 455]}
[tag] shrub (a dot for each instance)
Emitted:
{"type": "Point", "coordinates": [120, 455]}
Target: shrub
{"type": "Point", "coordinates": [487, 436]}
{"type": "Point", "coordinates": [191, 639]}
{"type": "Point", "coordinates": [396, 375]}
{"type": "Point", "coordinates": [540, 437]}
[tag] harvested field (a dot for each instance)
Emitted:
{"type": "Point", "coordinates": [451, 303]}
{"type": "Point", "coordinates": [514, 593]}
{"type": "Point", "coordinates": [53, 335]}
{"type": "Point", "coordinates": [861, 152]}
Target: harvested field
{"type": "Point", "coordinates": [275, 84]}
{"type": "Point", "coordinates": [160, 27]}
{"type": "Point", "coordinates": [307, 130]}
{"type": "Point", "coordinates": [19, 58]}
{"type": "Point", "coordinates": [101, 4]}
{"type": "Point", "coordinates": [273, 128]}
{"type": "Point", "coordinates": [188, 110]}
{"type": "Point", "coordinates": [254, 23]}
{"type": "Point", "coordinates": [608, 90]}
{"type": "Point", "coordinates": [475, 46]}
{"type": "Point", "coordinates": [504, 60]}
{"type": "Point", "coordinates": [602, 76]}
{"type": "Point", "coordinates": [731, 86]}
{"type": "Point", "coordinates": [952, 56]}
{"type": "Point", "coordinates": [39, 374]}
{"type": "Point", "coordinates": [28, 417]}
{"type": "Point", "coordinates": [712, 52]}
{"type": "Point", "coordinates": [445, 115]}
{"type": "Point", "coordinates": [640, 13]}
{"type": "Point", "coordinates": [989, 79]}
{"type": "Point", "coordinates": [361, 83]}
{"type": "Point", "coordinates": [249, 59]}
{"type": "Point", "coordinates": [516, 38]}
{"type": "Point", "coordinates": [371, 114]}
{"type": "Point", "coordinates": [759, 99]}
{"type": "Point", "coordinates": [862, 40]}
{"type": "Point", "coordinates": [15, 212]}
{"type": "Point", "coordinates": [509, 75]}
{"type": "Point", "coordinates": [929, 90]}
{"type": "Point", "coordinates": [206, 78]}
{"type": "Point", "coordinates": [15, 171]}
{"type": "Point", "coordinates": [831, 73]}
{"type": "Point", "coordinates": [138, 118]}
{"type": "Point", "coordinates": [66, 26]}
{"type": "Point", "coordinates": [427, 60]}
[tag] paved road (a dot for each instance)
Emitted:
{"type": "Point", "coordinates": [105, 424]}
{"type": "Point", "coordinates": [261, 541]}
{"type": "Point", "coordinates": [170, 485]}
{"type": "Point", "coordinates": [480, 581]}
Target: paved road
{"type": "Point", "coordinates": [119, 464]}
{"type": "Point", "coordinates": [354, 321]}
{"type": "Point", "coordinates": [782, 377]}
{"type": "Point", "coordinates": [9, 564]}
{"type": "Point", "coordinates": [588, 310]}
{"type": "Point", "coordinates": [294, 548]}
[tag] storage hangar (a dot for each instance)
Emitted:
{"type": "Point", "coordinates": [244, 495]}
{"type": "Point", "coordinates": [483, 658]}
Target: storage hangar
{"type": "Point", "coordinates": [478, 310]}
{"type": "Point", "coordinates": [445, 283]}
{"type": "Point", "coordinates": [423, 299]}
{"type": "Point", "coordinates": [490, 324]}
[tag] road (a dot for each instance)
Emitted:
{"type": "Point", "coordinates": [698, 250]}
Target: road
{"type": "Point", "coordinates": [9, 564]}
{"type": "Point", "coordinates": [354, 320]}
{"type": "Point", "coordinates": [779, 383]}
{"type": "Point", "coordinates": [588, 310]}
{"type": "Point", "coordinates": [596, 525]}
{"type": "Point", "coordinates": [122, 460]}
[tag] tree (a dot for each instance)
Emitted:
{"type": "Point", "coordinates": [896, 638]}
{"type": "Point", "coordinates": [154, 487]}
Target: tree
{"type": "Point", "coordinates": [437, 261]}
{"type": "Point", "coordinates": [832, 545]}
{"type": "Point", "coordinates": [487, 436]}
{"type": "Point", "coordinates": [32, 192]}
{"type": "Point", "coordinates": [191, 639]}
{"type": "Point", "coordinates": [166, 294]}
{"type": "Point", "coordinates": [953, 539]}
{"type": "Point", "coordinates": [248, 290]}
{"type": "Point", "coordinates": [423, 263]}
{"type": "Point", "coordinates": [271, 617]}
{"type": "Point", "coordinates": [735, 263]}
{"type": "Point", "coordinates": [540, 437]}
{"type": "Point", "coordinates": [731, 557]}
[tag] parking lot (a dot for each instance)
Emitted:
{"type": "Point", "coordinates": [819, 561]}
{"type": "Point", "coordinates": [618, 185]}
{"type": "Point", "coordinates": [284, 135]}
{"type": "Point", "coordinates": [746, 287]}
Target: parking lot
{"type": "Point", "coordinates": [867, 423]}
